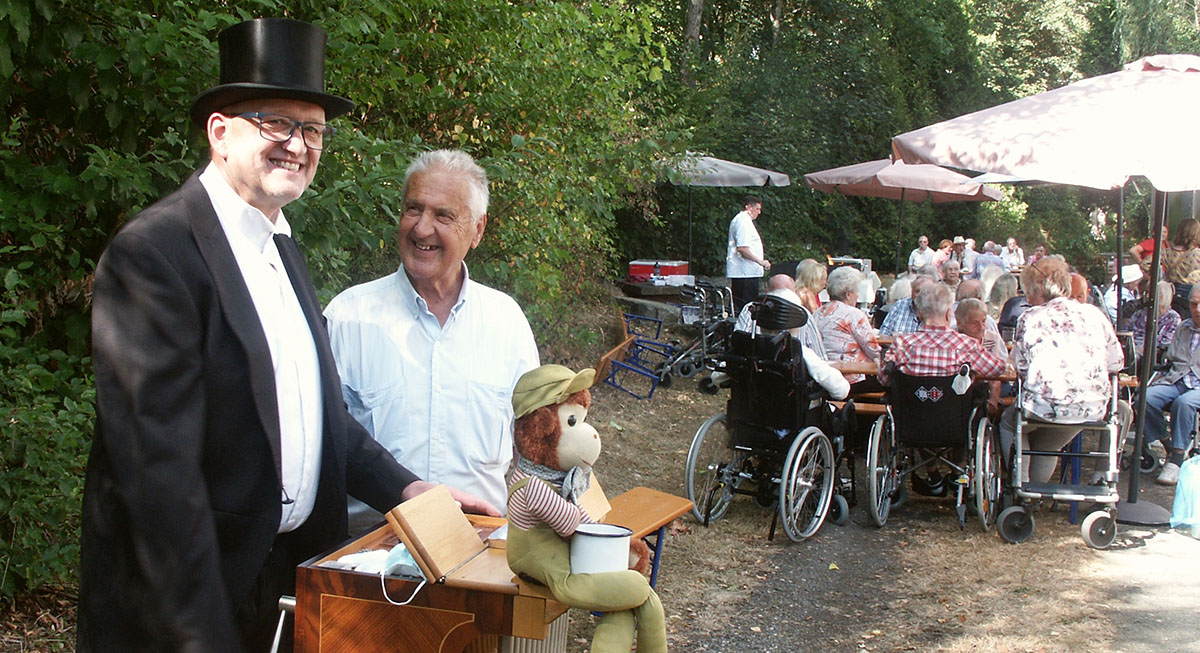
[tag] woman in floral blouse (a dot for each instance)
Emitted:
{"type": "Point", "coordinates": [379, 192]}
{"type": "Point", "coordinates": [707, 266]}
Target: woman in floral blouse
{"type": "Point", "coordinates": [845, 329]}
{"type": "Point", "coordinates": [1066, 352]}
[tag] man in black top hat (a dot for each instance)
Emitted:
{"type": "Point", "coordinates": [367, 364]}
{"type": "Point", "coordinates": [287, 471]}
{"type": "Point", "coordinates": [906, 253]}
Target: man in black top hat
{"type": "Point", "coordinates": [223, 453]}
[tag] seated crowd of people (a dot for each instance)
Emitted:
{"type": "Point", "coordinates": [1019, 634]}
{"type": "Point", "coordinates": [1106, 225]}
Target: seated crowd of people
{"type": "Point", "coordinates": [956, 306]}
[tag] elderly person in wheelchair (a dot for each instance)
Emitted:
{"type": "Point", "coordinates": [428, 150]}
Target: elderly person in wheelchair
{"type": "Point", "coordinates": [1066, 353]}
{"type": "Point", "coordinates": [778, 440]}
{"type": "Point", "coordinates": [781, 286]}
{"type": "Point", "coordinates": [935, 349]}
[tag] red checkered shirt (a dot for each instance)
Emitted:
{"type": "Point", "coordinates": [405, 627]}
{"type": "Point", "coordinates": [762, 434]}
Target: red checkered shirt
{"type": "Point", "coordinates": [940, 351]}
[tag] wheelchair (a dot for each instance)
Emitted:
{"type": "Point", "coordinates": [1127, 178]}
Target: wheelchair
{"type": "Point", "coordinates": [778, 440]}
{"type": "Point", "coordinates": [1099, 528]}
{"type": "Point", "coordinates": [928, 421]}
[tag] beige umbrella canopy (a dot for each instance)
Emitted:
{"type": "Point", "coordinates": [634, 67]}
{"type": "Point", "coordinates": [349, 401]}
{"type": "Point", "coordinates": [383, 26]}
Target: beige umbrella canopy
{"type": "Point", "coordinates": [695, 169]}
{"type": "Point", "coordinates": [1097, 132]}
{"type": "Point", "coordinates": [901, 181]}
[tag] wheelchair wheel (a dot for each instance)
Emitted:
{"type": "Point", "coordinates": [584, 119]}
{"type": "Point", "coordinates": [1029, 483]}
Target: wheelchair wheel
{"type": "Point", "coordinates": [1099, 529]}
{"type": "Point", "coordinates": [807, 484]}
{"type": "Point", "coordinates": [882, 480]}
{"type": "Point", "coordinates": [712, 470]}
{"type": "Point", "coordinates": [1015, 524]}
{"type": "Point", "coordinates": [986, 484]}
{"type": "Point", "coordinates": [839, 510]}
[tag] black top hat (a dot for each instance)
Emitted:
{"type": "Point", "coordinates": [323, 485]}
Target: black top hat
{"type": "Point", "coordinates": [270, 58]}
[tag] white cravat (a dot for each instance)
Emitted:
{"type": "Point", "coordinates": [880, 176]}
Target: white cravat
{"type": "Point", "coordinates": [289, 338]}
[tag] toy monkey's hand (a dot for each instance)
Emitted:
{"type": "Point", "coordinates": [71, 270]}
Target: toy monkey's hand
{"type": "Point", "coordinates": [639, 556]}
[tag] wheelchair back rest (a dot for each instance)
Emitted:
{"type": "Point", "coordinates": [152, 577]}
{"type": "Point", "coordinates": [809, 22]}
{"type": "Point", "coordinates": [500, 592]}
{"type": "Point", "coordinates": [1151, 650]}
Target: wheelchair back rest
{"type": "Point", "coordinates": [928, 410]}
{"type": "Point", "coordinates": [778, 314]}
{"type": "Point", "coordinates": [770, 386]}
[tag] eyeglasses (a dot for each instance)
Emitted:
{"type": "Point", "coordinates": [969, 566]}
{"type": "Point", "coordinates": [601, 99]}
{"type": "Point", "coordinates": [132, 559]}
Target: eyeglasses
{"type": "Point", "coordinates": [279, 129]}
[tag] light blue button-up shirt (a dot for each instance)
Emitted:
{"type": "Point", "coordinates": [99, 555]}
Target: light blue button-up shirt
{"type": "Point", "coordinates": [439, 398]}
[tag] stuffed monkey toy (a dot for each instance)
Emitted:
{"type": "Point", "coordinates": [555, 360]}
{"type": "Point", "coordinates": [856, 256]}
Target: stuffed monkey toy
{"type": "Point", "coordinates": [556, 449]}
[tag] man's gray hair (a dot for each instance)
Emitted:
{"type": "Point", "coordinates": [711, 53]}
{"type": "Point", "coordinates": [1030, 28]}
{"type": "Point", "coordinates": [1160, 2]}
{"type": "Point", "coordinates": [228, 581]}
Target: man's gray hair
{"type": "Point", "coordinates": [459, 163]}
{"type": "Point", "coordinates": [969, 288]}
{"type": "Point", "coordinates": [968, 307]}
{"type": "Point", "coordinates": [844, 280]}
{"type": "Point", "coordinates": [922, 279]}
{"type": "Point", "coordinates": [901, 289]}
{"type": "Point", "coordinates": [933, 300]}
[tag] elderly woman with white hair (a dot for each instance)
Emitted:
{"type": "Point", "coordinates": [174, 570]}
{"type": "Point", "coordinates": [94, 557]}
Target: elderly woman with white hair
{"type": "Point", "coordinates": [1066, 353]}
{"type": "Point", "coordinates": [845, 329]}
{"type": "Point", "coordinates": [1168, 319]}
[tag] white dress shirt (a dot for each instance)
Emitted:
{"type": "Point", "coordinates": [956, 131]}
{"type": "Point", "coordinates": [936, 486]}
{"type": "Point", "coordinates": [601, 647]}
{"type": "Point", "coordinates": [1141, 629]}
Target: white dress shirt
{"type": "Point", "coordinates": [742, 233]}
{"type": "Point", "coordinates": [439, 398]}
{"type": "Point", "coordinates": [293, 351]}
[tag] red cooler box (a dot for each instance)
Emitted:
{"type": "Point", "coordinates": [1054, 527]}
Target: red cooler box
{"type": "Point", "coordinates": [665, 268]}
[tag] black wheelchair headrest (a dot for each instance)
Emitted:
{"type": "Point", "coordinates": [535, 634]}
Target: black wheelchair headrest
{"type": "Point", "coordinates": [779, 314]}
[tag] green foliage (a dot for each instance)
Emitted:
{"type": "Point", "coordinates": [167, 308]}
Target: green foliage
{"type": "Point", "coordinates": [1145, 27]}
{"type": "Point", "coordinates": [46, 411]}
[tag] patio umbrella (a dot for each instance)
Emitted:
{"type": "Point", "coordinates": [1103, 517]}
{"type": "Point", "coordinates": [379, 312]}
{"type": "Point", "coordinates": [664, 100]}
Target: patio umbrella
{"type": "Point", "coordinates": [1097, 133]}
{"type": "Point", "coordinates": [695, 169]}
{"type": "Point", "coordinates": [901, 181]}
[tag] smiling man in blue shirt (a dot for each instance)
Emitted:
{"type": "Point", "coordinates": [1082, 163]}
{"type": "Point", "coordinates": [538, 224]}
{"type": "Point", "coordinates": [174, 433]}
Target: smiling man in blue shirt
{"type": "Point", "coordinates": [427, 357]}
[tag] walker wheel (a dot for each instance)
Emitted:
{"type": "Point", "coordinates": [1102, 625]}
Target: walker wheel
{"type": "Point", "coordinates": [1099, 529]}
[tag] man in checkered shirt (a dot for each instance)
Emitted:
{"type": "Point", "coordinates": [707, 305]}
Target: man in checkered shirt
{"type": "Point", "coordinates": [935, 349]}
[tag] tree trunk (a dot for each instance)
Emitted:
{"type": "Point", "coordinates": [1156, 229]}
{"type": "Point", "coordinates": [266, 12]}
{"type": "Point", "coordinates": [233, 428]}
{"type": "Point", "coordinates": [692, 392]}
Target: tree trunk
{"type": "Point", "coordinates": [691, 26]}
{"type": "Point", "coordinates": [691, 38]}
{"type": "Point", "coordinates": [776, 20]}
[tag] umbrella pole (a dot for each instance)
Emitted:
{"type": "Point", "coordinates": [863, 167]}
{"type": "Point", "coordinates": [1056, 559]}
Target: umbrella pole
{"type": "Point", "coordinates": [900, 232]}
{"type": "Point", "coordinates": [1130, 511]}
{"type": "Point", "coordinates": [690, 262]}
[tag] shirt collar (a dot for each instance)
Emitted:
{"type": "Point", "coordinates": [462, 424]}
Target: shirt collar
{"type": "Point", "coordinates": [418, 303]}
{"type": "Point", "coordinates": [236, 215]}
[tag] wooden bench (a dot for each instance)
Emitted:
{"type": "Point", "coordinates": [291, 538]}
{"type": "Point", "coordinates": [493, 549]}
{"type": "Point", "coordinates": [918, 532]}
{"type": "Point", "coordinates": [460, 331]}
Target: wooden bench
{"type": "Point", "coordinates": [872, 410]}
{"type": "Point", "coordinates": [647, 512]}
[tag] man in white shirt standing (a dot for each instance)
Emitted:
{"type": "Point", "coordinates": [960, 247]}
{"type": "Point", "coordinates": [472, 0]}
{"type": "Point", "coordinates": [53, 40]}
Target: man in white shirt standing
{"type": "Point", "coordinates": [921, 256]}
{"type": "Point", "coordinates": [428, 358]}
{"type": "Point", "coordinates": [744, 260]}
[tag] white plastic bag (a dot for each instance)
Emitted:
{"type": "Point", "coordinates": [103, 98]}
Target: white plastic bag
{"type": "Point", "coordinates": [1186, 511]}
